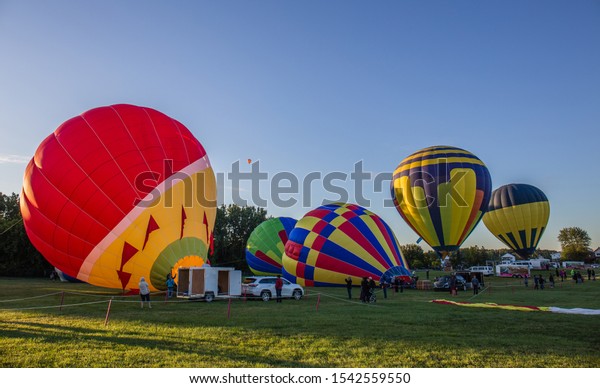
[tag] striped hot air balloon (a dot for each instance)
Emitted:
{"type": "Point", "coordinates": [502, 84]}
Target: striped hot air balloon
{"type": "Point", "coordinates": [517, 215]}
{"type": "Point", "coordinates": [442, 192]}
{"type": "Point", "coordinates": [266, 245]}
{"type": "Point", "coordinates": [117, 193]}
{"type": "Point", "coordinates": [339, 240]}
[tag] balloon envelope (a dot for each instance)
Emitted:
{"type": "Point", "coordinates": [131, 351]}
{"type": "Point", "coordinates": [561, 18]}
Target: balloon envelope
{"type": "Point", "coordinates": [118, 193]}
{"type": "Point", "coordinates": [339, 240]}
{"type": "Point", "coordinates": [266, 245]}
{"type": "Point", "coordinates": [442, 192]}
{"type": "Point", "coordinates": [517, 215]}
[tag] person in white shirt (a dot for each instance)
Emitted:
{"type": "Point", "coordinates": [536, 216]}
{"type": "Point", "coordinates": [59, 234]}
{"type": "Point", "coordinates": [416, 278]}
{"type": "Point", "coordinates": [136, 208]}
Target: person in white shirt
{"type": "Point", "coordinates": [144, 292]}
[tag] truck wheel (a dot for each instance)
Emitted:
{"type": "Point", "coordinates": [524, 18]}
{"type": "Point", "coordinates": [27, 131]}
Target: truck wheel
{"type": "Point", "coordinates": [297, 294]}
{"type": "Point", "coordinates": [265, 296]}
{"type": "Point", "coordinates": [209, 297]}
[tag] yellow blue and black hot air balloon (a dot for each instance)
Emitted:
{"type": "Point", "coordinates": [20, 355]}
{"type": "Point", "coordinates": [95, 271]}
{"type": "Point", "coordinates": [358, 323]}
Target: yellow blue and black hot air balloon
{"type": "Point", "coordinates": [442, 192]}
{"type": "Point", "coordinates": [518, 215]}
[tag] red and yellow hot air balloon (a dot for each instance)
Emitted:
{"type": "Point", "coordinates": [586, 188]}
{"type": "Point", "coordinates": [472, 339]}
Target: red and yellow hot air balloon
{"type": "Point", "coordinates": [117, 193]}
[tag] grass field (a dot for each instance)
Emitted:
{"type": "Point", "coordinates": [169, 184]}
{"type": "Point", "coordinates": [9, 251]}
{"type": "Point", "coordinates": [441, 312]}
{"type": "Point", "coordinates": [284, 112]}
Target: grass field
{"type": "Point", "coordinates": [404, 330]}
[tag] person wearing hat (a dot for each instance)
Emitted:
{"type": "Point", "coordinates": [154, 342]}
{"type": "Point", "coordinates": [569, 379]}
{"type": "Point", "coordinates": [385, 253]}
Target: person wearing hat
{"type": "Point", "coordinates": [144, 292]}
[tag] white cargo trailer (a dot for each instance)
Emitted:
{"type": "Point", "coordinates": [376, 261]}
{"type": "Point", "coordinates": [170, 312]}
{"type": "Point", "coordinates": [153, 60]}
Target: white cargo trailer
{"type": "Point", "coordinates": [208, 283]}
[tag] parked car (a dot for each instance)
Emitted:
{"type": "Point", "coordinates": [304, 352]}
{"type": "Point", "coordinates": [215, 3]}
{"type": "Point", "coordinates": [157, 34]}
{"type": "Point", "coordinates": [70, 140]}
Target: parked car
{"type": "Point", "coordinates": [264, 287]}
{"type": "Point", "coordinates": [443, 283]}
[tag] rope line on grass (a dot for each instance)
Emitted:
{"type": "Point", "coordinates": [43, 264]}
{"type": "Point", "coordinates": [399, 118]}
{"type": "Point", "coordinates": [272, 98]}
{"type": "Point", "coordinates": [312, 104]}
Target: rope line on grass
{"type": "Point", "coordinates": [53, 307]}
{"type": "Point", "coordinates": [29, 297]}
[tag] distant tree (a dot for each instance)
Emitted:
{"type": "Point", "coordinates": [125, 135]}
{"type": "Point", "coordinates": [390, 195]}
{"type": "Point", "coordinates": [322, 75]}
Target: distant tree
{"type": "Point", "coordinates": [414, 255]}
{"type": "Point", "coordinates": [575, 243]}
{"type": "Point", "coordinates": [233, 226]}
{"type": "Point", "coordinates": [545, 253]}
{"type": "Point", "coordinates": [475, 255]}
{"type": "Point", "coordinates": [18, 257]}
{"type": "Point", "coordinates": [432, 259]}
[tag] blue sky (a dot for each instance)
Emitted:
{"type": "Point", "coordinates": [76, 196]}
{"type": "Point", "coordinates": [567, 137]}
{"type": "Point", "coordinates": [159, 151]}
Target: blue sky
{"type": "Point", "coordinates": [304, 86]}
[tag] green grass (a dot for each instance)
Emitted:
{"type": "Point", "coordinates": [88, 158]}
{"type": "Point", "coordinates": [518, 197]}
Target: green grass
{"type": "Point", "coordinates": [406, 330]}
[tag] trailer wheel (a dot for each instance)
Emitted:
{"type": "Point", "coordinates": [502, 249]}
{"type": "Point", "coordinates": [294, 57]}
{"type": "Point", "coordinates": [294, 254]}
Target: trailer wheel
{"type": "Point", "coordinates": [297, 294]}
{"type": "Point", "coordinates": [265, 296]}
{"type": "Point", "coordinates": [209, 297]}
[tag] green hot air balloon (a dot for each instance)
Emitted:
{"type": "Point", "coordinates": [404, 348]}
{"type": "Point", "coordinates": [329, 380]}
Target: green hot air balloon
{"type": "Point", "coordinates": [266, 244]}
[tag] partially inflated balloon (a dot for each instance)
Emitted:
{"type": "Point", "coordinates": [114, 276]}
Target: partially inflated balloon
{"type": "Point", "coordinates": [517, 215]}
{"type": "Point", "coordinates": [266, 244]}
{"type": "Point", "coordinates": [338, 240]}
{"type": "Point", "coordinates": [442, 193]}
{"type": "Point", "coordinates": [118, 193]}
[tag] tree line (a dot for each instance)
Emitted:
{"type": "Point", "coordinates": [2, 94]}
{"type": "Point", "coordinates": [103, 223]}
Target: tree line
{"type": "Point", "coordinates": [18, 257]}
{"type": "Point", "coordinates": [233, 226]}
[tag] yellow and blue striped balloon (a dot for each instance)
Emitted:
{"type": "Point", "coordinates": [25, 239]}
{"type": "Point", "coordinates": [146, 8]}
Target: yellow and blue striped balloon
{"type": "Point", "coordinates": [518, 215]}
{"type": "Point", "coordinates": [442, 192]}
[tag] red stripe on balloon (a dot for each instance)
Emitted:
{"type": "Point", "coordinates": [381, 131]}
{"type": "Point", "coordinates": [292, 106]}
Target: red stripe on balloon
{"type": "Point", "coordinates": [358, 237]}
{"type": "Point", "coordinates": [283, 236]}
{"type": "Point", "coordinates": [330, 263]}
{"type": "Point", "coordinates": [388, 238]}
{"type": "Point", "coordinates": [263, 256]}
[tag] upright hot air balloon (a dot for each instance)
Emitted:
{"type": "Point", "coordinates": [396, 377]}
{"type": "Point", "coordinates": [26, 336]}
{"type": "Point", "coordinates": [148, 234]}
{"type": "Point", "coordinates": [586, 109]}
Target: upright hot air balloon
{"type": "Point", "coordinates": [339, 240]}
{"type": "Point", "coordinates": [117, 193]}
{"type": "Point", "coordinates": [442, 192]}
{"type": "Point", "coordinates": [517, 215]}
{"type": "Point", "coordinates": [266, 245]}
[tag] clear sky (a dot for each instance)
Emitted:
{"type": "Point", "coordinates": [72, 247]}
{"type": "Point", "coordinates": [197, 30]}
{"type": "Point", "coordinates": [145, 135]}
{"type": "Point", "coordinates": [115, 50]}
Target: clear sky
{"type": "Point", "coordinates": [317, 86]}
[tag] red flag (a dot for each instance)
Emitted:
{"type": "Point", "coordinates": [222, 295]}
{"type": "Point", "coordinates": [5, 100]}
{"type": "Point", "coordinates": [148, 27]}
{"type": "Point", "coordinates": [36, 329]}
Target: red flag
{"type": "Point", "coordinates": [205, 222]}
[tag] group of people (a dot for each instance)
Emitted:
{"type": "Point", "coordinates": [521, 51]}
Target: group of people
{"type": "Point", "coordinates": [368, 287]}
{"type": "Point", "coordinates": [145, 289]}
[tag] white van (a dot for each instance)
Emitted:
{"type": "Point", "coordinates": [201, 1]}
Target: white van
{"type": "Point", "coordinates": [485, 269]}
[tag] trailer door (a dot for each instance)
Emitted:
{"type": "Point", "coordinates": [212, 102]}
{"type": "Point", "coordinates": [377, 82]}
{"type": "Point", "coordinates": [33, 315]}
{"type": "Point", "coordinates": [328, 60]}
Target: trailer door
{"type": "Point", "coordinates": [235, 283]}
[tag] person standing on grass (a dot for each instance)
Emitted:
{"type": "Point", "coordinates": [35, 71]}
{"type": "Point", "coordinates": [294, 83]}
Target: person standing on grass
{"type": "Point", "coordinates": [170, 285]}
{"type": "Point", "coordinates": [551, 281]}
{"type": "Point", "coordinates": [526, 280]}
{"type": "Point", "coordinates": [349, 286]}
{"type": "Point", "coordinates": [384, 287]}
{"type": "Point", "coordinates": [475, 284]}
{"type": "Point", "coordinates": [144, 292]}
{"type": "Point", "coordinates": [452, 284]}
{"type": "Point", "coordinates": [278, 288]}
{"type": "Point", "coordinates": [364, 290]}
